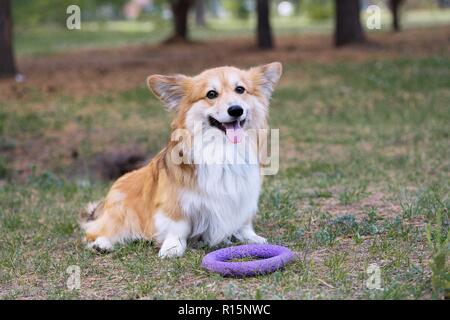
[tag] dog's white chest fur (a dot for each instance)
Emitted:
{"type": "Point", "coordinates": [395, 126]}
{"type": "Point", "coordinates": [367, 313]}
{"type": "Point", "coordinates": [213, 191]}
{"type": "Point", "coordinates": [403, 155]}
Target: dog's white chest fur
{"type": "Point", "coordinates": [226, 197]}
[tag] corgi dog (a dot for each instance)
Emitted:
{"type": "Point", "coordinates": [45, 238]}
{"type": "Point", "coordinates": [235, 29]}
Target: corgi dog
{"type": "Point", "coordinates": [191, 190]}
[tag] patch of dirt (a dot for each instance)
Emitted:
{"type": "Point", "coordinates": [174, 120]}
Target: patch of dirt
{"type": "Point", "coordinates": [63, 151]}
{"type": "Point", "coordinates": [112, 165]}
{"type": "Point", "coordinates": [90, 71]}
{"type": "Point", "coordinates": [386, 208]}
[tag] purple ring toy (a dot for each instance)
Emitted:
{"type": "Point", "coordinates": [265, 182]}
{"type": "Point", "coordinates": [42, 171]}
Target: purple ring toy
{"type": "Point", "coordinates": [273, 257]}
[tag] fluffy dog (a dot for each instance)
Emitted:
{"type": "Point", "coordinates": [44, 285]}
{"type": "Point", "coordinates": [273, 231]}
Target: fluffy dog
{"type": "Point", "coordinates": [206, 182]}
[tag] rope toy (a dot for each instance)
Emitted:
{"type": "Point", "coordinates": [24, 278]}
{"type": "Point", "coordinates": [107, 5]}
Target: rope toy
{"type": "Point", "coordinates": [271, 258]}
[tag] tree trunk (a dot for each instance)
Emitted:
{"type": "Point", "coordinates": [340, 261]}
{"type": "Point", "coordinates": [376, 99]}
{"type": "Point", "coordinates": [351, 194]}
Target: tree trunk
{"type": "Point", "coordinates": [180, 10]}
{"type": "Point", "coordinates": [200, 13]}
{"type": "Point", "coordinates": [263, 30]}
{"type": "Point", "coordinates": [395, 9]}
{"type": "Point", "coordinates": [348, 27]}
{"type": "Point", "coordinates": [7, 64]}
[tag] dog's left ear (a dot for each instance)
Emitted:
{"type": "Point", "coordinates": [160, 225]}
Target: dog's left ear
{"type": "Point", "coordinates": [267, 76]}
{"type": "Point", "coordinates": [169, 89]}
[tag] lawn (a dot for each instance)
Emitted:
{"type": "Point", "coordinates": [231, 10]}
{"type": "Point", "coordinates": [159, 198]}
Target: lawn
{"type": "Point", "coordinates": [364, 179]}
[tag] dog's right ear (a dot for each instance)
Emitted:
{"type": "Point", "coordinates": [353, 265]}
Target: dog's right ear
{"type": "Point", "coordinates": [169, 89]}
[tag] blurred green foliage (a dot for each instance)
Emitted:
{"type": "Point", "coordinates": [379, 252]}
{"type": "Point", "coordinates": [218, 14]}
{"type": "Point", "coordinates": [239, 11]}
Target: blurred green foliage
{"type": "Point", "coordinates": [318, 10]}
{"type": "Point", "coordinates": [32, 12]}
{"type": "Point", "coordinates": [238, 9]}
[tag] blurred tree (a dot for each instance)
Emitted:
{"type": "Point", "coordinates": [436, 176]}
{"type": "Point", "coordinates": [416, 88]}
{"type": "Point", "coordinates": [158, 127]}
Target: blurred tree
{"type": "Point", "coordinates": [200, 13]}
{"type": "Point", "coordinates": [180, 11]}
{"type": "Point", "coordinates": [394, 5]}
{"type": "Point", "coordinates": [348, 27]}
{"type": "Point", "coordinates": [7, 63]}
{"type": "Point", "coordinates": [263, 28]}
{"type": "Point", "coordinates": [443, 4]}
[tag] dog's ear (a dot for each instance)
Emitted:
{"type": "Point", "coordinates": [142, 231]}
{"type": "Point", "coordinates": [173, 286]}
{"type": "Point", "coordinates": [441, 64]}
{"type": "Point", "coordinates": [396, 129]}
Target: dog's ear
{"type": "Point", "coordinates": [267, 76]}
{"type": "Point", "coordinates": [169, 89]}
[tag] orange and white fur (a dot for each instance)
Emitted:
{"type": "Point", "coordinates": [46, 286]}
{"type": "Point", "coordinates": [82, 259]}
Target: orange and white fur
{"type": "Point", "coordinates": [171, 202]}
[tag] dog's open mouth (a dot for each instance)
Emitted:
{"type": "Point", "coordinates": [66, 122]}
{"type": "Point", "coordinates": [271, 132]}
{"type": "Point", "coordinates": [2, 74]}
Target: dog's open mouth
{"type": "Point", "coordinates": [233, 130]}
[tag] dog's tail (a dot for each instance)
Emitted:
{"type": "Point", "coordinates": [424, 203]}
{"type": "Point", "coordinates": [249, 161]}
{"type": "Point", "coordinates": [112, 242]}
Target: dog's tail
{"type": "Point", "coordinates": [91, 212]}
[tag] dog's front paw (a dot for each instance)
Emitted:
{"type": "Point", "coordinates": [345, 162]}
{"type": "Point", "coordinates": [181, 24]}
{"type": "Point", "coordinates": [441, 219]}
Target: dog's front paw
{"type": "Point", "coordinates": [172, 248]}
{"type": "Point", "coordinates": [256, 239]}
{"type": "Point", "coordinates": [248, 235]}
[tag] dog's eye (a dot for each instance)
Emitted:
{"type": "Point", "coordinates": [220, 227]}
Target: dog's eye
{"type": "Point", "coordinates": [239, 89]}
{"type": "Point", "coordinates": [212, 94]}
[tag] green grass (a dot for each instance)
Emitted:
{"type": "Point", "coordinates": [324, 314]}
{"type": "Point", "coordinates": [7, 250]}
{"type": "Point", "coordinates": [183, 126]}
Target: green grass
{"type": "Point", "coordinates": [364, 179]}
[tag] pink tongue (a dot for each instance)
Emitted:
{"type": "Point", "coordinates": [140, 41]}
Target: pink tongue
{"type": "Point", "coordinates": [234, 131]}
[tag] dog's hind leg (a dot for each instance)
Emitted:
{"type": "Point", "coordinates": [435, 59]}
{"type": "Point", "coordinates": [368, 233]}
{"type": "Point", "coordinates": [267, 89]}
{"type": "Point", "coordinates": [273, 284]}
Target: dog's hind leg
{"type": "Point", "coordinates": [101, 235]}
{"type": "Point", "coordinates": [112, 226]}
{"type": "Point", "coordinates": [101, 244]}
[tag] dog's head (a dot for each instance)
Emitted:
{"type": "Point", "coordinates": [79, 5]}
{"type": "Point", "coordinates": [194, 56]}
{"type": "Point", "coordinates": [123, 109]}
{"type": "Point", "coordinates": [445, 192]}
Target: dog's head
{"type": "Point", "coordinates": [226, 98]}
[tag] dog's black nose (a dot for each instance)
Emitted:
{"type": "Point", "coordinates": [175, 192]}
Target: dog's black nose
{"type": "Point", "coordinates": [235, 111]}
